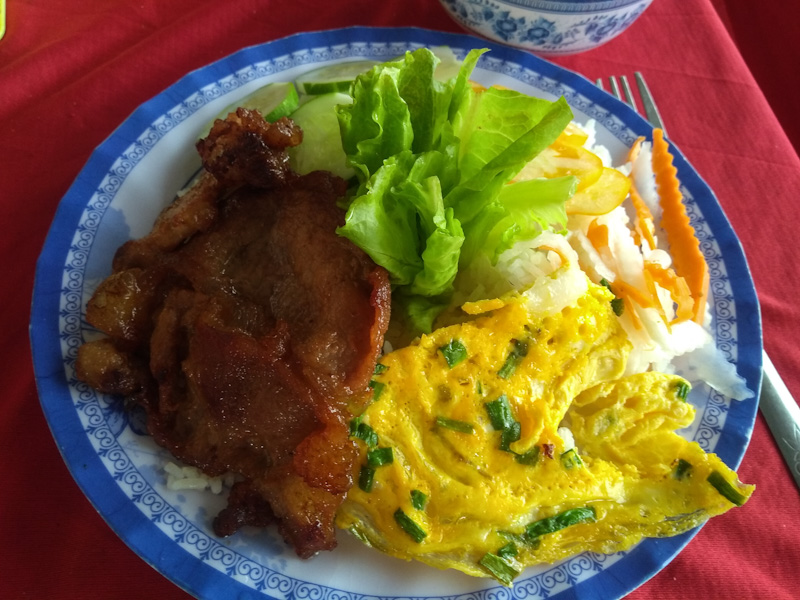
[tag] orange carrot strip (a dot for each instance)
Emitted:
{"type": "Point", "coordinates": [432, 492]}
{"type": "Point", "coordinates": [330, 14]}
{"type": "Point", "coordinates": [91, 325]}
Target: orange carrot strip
{"type": "Point", "coordinates": [633, 153]}
{"type": "Point", "coordinates": [630, 309]}
{"type": "Point", "coordinates": [630, 297]}
{"type": "Point", "coordinates": [598, 235]}
{"type": "Point", "coordinates": [564, 259]}
{"type": "Point", "coordinates": [636, 234]}
{"type": "Point", "coordinates": [683, 243]}
{"type": "Point", "coordinates": [651, 288]}
{"type": "Point", "coordinates": [644, 218]}
{"type": "Point", "coordinates": [683, 299]}
{"type": "Point", "coordinates": [625, 290]}
{"type": "Point", "coordinates": [677, 287]}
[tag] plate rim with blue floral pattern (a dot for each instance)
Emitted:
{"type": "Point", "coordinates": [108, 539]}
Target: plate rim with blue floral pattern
{"type": "Point", "coordinates": [113, 461]}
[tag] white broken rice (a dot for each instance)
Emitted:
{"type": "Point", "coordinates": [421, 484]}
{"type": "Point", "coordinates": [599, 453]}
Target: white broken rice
{"type": "Point", "coordinates": [191, 478]}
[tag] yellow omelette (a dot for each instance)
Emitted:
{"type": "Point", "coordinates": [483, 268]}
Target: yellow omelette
{"type": "Point", "coordinates": [513, 439]}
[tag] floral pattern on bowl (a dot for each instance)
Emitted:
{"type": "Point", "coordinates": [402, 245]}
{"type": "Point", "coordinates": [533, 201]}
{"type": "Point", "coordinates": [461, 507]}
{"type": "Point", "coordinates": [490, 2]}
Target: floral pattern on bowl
{"type": "Point", "coordinates": [545, 26]}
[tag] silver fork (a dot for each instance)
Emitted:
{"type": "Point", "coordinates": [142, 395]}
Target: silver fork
{"type": "Point", "coordinates": [780, 411]}
{"type": "Point", "coordinates": [622, 91]}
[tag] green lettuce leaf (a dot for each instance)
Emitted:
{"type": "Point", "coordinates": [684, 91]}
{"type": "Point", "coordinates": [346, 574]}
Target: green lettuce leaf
{"type": "Point", "coordinates": [521, 211]}
{"type": "Point", "coordinates": [383, 225]}
{"type": "Point", "coordinates": [418, 312]}
{"type": "Point", "coordinates": [434, 161]}
{"type": "Point", "coordinates": [501, 143]}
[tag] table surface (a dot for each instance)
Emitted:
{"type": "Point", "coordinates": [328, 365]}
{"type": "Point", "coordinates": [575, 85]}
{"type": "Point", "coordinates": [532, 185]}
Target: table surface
{"type": "Point", "coordinates": [71, 71]}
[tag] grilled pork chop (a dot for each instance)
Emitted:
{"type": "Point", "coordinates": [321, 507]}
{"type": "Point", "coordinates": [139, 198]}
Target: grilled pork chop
{"type": "Point", "coordinates": [248, 330]}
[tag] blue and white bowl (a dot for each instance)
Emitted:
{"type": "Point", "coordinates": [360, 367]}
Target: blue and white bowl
{"type": "Point", "coordinates": [548, 27]}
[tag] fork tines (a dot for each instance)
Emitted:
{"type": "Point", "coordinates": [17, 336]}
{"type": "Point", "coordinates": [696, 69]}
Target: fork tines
{"type": "Point", "coordinates": [622, 90]}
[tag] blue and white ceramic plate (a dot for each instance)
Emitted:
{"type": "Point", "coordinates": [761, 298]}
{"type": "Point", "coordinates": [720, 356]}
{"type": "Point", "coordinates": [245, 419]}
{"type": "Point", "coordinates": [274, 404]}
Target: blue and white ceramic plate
{"type": "Point", "coordinates": [117, 196]}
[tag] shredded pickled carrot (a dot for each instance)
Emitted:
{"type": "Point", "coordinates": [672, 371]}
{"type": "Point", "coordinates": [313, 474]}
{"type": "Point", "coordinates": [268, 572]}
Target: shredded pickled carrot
{"type": "Point", "coordinates": [683, 243]}
{"type": "Point", "coordinates": [633, 153]}
{"type": "Point", "coordinates": [653, 291]}
{"type": "Point", "coordinates": [636, 234]}
{"type": "Point", "coordinates": [677, 287]}
{"type": "Point", "coordinates": [598, 235]}
{"type": "Point", "coordinates": [631, 310]}
{"type": "Point", "coordinates": [644, 218]}
{"type": "Point", "coordinates": [564, 259]}
{"type": "Point", "coordinates": [625, 290]}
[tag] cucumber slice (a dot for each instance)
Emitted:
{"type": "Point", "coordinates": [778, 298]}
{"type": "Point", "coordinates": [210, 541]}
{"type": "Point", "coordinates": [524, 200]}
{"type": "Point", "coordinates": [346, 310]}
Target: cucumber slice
{"type": "Point", "coordinates": [339, 77]}
{"type": "Point", "coordinates": [274, 100]}
{"type": "Point", "coordinates": [332, 78]}
{"type": "Point", "coordinates": [321, 149]}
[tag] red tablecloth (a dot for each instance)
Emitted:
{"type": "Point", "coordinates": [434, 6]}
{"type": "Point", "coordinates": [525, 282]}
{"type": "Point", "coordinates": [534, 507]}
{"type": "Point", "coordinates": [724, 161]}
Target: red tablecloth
{"type": "Point", "coordinates": [71, 71]}
{"type": "Point", "coordinates": [766, 34]}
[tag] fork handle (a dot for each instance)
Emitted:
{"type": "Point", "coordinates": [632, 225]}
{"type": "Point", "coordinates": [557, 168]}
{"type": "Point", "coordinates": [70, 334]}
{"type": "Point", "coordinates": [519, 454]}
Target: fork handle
{"type": "Point", "coordinates": [782, 415]}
